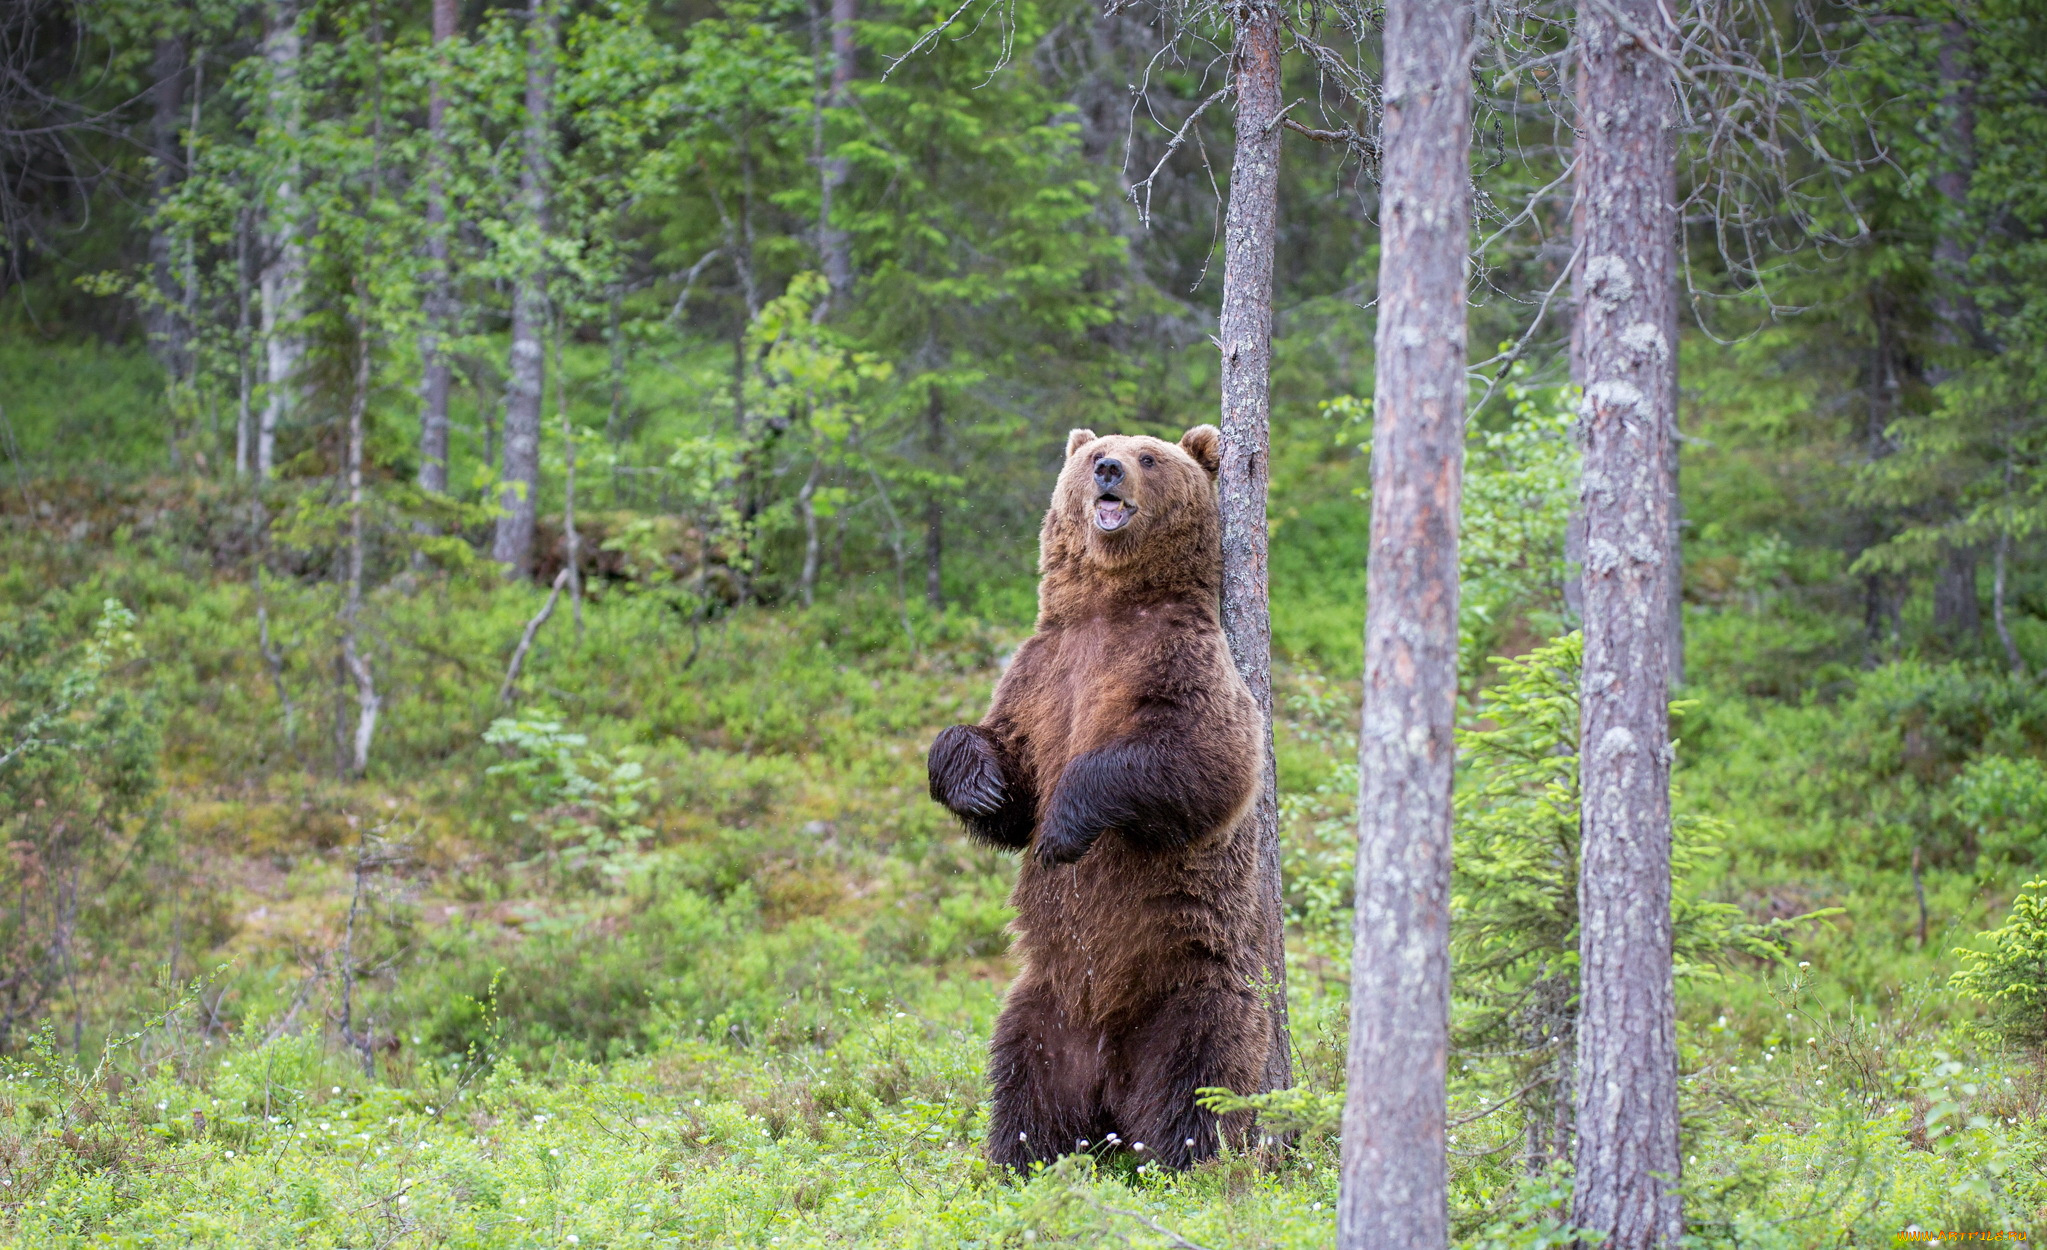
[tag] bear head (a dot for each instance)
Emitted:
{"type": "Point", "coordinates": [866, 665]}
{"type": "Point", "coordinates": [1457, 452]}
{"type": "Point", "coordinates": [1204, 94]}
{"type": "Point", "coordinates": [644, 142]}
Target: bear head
{"type": "Point", "coordinates": [1129, 506]}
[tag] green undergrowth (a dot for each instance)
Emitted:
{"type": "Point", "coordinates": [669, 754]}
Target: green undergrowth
{"type": "Point", "coordinates": [671, 949]}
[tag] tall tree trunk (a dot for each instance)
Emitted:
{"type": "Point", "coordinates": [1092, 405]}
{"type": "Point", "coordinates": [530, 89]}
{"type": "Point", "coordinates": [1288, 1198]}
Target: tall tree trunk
{"type": "Point", "coordinates": [934, 506]}
{"type": "Point", "coordinates": [806, 506]}
{"type": "Point", "coordinates": [1395, 1177]}
{"type": "Point", "coordinates": [2011, 648]}
{"type": "Point", "coordinates": [245, 419]}
{"type": "Point", "coordinates": [1957, 615]}
{"type": "Point", "coordinates": [1627, 1145]}
{"type": "Point", "coordinates": [1961, 320]}
{"type": "Point", "coordinates": [367, 701]}
{"type": "Point", "coordinates": [1882, 592]}
{"type": "Point", "coordinates": [1245, 335]}
{"type": "Point", "coordinates": [520, 473]}
{"type": "Point", "coordinates": [834, 245]}
{"type": "Point", "coordinates": [1957, 612]}
{"type": "Point", "coordinates": [283, 277]}
{"type": "Point", "coordinates": [572, 543]}
{"type": "Point", "coordinates": [160, 315]}
{"type": "Point", "coordinates": [1674, 596]}
{"type": "Point", "coordinates": [436, 373]}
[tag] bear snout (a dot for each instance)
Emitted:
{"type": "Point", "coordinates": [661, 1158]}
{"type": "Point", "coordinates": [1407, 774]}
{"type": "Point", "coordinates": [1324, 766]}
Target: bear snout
{"type": "Point", "coordinates": [1108, 473]}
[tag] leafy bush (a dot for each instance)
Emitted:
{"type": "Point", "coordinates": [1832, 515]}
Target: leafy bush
{"type": "Point", "coordinates": [78, 773]}
{"type": "Point", "coordinates": [2004, 801]}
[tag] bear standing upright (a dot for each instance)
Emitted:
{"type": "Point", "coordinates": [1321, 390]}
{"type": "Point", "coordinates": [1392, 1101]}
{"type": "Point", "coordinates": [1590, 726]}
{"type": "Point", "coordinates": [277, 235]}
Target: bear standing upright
{"type": "Point", "coordinates": [1122, 756]}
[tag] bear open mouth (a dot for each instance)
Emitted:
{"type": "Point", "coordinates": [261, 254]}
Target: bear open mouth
{"type": "Point", "coordinates": [1112, 514]}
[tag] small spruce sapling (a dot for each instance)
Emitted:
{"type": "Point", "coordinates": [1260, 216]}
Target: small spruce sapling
{"type": "Point", "coordinates": [2011, 974]}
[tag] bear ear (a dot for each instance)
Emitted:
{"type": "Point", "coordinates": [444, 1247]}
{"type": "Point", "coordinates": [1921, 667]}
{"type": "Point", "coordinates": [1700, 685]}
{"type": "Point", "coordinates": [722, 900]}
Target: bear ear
{"type": "Point", "coordinates": [1077, 440]}
{"type": "Point", "coordinates": [1205, 444]}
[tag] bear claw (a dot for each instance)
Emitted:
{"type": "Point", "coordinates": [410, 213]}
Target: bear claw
{"type": "Point", "coordinates": [963, 777]}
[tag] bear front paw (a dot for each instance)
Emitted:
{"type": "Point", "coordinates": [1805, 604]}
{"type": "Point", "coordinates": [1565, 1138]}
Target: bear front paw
{"type": "Point", "coordinates": [965, 776]}
{"type": "Point", "coordinates": [1061, 842]}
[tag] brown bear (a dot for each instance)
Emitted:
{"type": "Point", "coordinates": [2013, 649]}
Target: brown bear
{"type": "Point", "coordinates": [1122, 756]}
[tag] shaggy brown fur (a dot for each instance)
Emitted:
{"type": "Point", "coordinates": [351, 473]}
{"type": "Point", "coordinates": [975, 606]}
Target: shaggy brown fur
{"type": "Point", "coordinates": [1122, 755]}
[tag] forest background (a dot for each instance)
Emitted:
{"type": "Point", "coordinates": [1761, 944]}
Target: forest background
{"type": "Point", "coordinates": [359, 893]}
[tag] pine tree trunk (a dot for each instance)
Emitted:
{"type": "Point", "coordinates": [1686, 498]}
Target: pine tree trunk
{"type": "Point", "coordinates": [525, 392]}
{"type": "Point", "coordinates": [834, 245]}
{"type": "Point", "coordinates": [1626, 1156]}
{"type": "Point", "coordinates": [1674, 598]}
{"type": "Point", "coordinates": [1961, 320]}
{"type": "Point", "coordinates": [283, 277]}
{"type": "Point", "coordinates": [435, 373]}
{"type": "Point", "coordinates": [1245, 334]}
{"type": "Point", "coordinates": [1957, 612]}
{"type": "Point", "coordinates": [1395, 1179]}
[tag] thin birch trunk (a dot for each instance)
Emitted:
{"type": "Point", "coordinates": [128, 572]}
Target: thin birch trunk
{"type": "Point", "coordinates": [436, 374]}
{"type": "Point", "coordinates": [1997, 588]}
{"type": "Point", "coordinates": [245, 429]}
{"type": "Point", "coordinates": [368, 702]}
{"type": "Point", "coordinates": [283, 276]}
{"type": "Point", "coordinates": [513, 543]}
{"type": "Point", "coordinates": [1395, 1180]}
{"type": "Point", "coordinates": [1245, 336]}
{"type": "Point", "coordinates": [570, 539]}
{"type": "Point", "coordinates": [1627, 1163]}
{"type": "Point", "coordinates": [532, 630]}
{"type": "Point", "coordinates": [806, 506]}
{"type": "Point", "coordinates": [2011, 649]}
{"type": "Point", "coordinates": [934, 507]}
{"type": "Point", "coordinates": [614, 417]}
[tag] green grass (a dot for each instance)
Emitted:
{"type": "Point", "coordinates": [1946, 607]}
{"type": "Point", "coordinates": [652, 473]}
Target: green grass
{"type": "Point", "coordinates": [763, 1021]}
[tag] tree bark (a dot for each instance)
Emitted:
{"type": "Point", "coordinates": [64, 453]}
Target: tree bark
{"type": "Point", "coordinates": [245, 388]}
{"type": "Point", "coordinates": [572, 542]}
{"type": "Point", "coordinates": [1957, 612]}
{"type": "Point", "coordinates": [368, 702]}
{"type": "Point", "coordinates": [1997, 596]}
{"type": "Point", "coordinates": [1626, 1156]}
{"type": "Point", "coordinates": [520, 473]}
{"type": "Point", "coordinates": [1245, 335]}
{"type": "Point", "coordinates": [283, 279]}
{"type": "Point", "coordinates": [1961, 320]}
{"type": "Point", "coordinates": [834, 245]}
{"type": "Point", "coordinates": [167, 330]}
{"type": "Point", "coordinates": [436, 374]}
{"type": "Point", "coordinates": [1395, 1176]}
{"type": "Point", "coordinates": [806, 506]}
{"type": "Point", "coordinates": [1673, 453]}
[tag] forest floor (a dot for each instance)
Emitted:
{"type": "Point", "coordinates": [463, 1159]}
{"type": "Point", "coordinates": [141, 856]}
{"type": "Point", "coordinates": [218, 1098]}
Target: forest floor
{"type": "Point", "coordinates": [681, 954]}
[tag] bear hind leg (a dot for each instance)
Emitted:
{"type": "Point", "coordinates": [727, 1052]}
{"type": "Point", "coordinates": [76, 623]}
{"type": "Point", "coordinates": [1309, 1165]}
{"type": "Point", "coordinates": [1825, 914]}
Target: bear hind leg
{"type": "Point", "coordinates": [1046, 1076]}
{"type": "Point", "coordinates": [1198, 1039]}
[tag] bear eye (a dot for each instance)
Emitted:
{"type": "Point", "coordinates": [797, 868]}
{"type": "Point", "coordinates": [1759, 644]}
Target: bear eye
{"type": "Point", "coordinates": [1147, 461]}
{"type": "Point", "coordinates": [1095, 459]}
